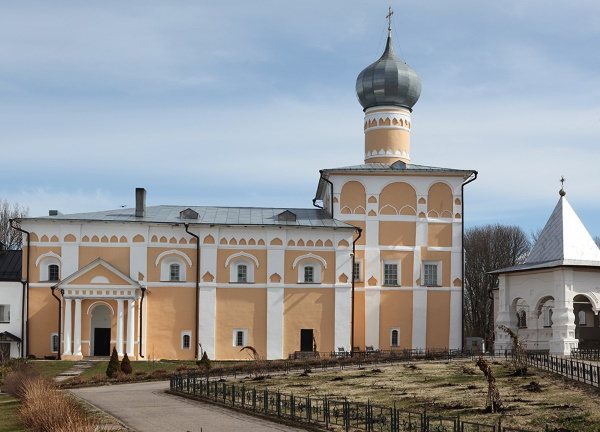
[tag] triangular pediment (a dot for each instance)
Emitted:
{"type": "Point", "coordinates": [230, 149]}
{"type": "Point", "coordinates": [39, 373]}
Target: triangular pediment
{"type": "Point", "coordinates": [98, 273]}
{"type": "Point", "coordinates": [564, 238]}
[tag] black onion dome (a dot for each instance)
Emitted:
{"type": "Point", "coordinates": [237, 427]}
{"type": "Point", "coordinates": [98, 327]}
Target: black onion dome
{"type": "Point", "coordinates": [388, 81]}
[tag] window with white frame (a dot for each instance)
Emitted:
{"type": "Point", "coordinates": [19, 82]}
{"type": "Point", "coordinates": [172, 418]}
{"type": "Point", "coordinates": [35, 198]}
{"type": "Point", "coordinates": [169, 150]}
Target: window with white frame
{"type": "Point", "coordinates": [173, 268]}
{"type": "Point", "coordinates": [240, 337]}
{"type": "Point", "coordinates": [242, 273]}
{"type": "Point", "coordinates": [431, 273]}
{"type": "Point", "coordinates": [5, 313]}
{"type": "Point", "coordinates": [547, 316]}
{"type": "Point", "coordinates": [174, 272]}
{"type": "Point", "coordinates": [356, 271]}
{"type": "Point", "coordinates": [53, 272]}
{"type": "Point", "coordinates": [186, 339]}
{"type": "Point", "coordinates": [581, 317]}
{"type": "Point", "coordinates": [54, 342]}
{"type": "Point", "coordinates": [395, 337]}
{"type": "Point", "coordinates": [390, 274]}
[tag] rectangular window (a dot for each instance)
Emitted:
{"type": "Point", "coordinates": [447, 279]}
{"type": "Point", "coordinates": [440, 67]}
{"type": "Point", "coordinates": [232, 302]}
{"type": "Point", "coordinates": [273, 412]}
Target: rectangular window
{"type": "Point", "coordinates": [356, 271]}
{"type": "Point", "coordinates": [53, 272]}
{"type": "Point", "coordinates": [5, 313]}
{"type": "Point", "coordinates": [390, 274]}
{"type": "Point", "coordinates": [395, 337]}
{"type": "Point", "coordinates": [309, 274]}
{"type": "Point", "coordinates": [174, 272]}
{"type": "Point", "coordinates": [239, 337]}
{"type": "Point", "coordinates": [242, 273]}
{"type": "Point", "coordinates": [430, 274]}
{"type": "Point", "coordinates": [54, 342]}
{"type": "Point", "coordinates": [186, 342]}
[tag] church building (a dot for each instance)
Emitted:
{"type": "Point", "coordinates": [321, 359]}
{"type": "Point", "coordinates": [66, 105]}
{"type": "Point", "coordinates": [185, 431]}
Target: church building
{"type": "Point", "coordinates": [552, 300]}
{"type": "Point", "coordinates": [377, 262]}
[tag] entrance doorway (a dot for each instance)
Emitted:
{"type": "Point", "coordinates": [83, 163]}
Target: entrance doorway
{"type": "Point", "coordinates": [101, 341]}
{"type": "Point", "coordinates": [100, 330]}
{"type": "Point", "coordinates": [306, 340]}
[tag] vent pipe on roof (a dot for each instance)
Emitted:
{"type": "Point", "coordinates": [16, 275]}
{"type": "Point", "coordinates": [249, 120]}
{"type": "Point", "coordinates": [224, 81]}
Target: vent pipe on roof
{"type": "Point", "coordinates": [140, 202]}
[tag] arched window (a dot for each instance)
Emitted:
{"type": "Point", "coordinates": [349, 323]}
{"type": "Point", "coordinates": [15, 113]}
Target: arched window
{"type": "Point", "coordinates": [186, 341]}
{"type": "Point", "coordinates": [174, 272]}
{"type": "Point", "coordinates": [310, 268]}
{"type": "Point", "coordinates": [53, 272]}
{"type": "Point", "coordinates": [547, 315]}
{"type": "Point", "coordinates": [522, 319]}
{"type": "Point", "coordinates": [395, 337]}
{"type": "Point", "coordinates": [581, 316]}
{"type": "Point", "coordinates": [242, 273]}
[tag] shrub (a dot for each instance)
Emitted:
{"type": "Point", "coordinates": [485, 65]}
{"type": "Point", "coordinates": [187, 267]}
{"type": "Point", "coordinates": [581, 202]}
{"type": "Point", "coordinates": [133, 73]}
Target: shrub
{"type": "Point", "coordinates": [14, 380]}
{"type": "Point", "coordinates": [113, 364]}
{"type": "Point", "coordinates": [126, 365]}
{"type": "Point", "coordinates": [204, 362]}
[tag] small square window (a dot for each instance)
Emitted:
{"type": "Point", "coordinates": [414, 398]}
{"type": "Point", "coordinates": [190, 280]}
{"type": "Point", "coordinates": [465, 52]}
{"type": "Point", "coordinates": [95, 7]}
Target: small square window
{"type": "Point", "coordinates": [356, 271]}
{"type": "Point", "coordinates": [309, 274]}
{"type": "Point", "coordinates": [430, 274]}
{"type": "Point", "coordinates": [390, 274]}
{"type": "Point", "coordinates": [242, 273]}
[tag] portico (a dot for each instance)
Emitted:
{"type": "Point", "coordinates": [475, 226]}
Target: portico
{"type": "Point", "coordinates": [100, 306]}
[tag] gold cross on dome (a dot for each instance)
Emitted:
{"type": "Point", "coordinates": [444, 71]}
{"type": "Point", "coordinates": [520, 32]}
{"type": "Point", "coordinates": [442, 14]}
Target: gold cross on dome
{"type": "Point", "coordinates": [389, 18]}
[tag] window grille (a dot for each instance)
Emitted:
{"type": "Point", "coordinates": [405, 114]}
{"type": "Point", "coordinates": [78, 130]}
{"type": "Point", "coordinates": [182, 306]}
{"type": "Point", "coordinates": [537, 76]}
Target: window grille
{"type": "Point", "coordinates": [54, 342]}
{"type": "Point", "coordinates": [242, 273]}
{"type": "Point", "coordinates": [174, 272]}
{"type": "Point", "coordinates": [186, 341]}
{"type": "Point", "coordinates": [430, 276]}
{"type": "Point", "coordinates": [395, 338]}
{"type": "Point", "coordinates": [239, 338]}
{"type": "Point", "coordinates": [356, 271]}
{"type": "Point", "coordinates": [390, 274]}
{"type": "Point", "coordinates": [53, 272]}
{"type": "Point", "coordinates": [309, 274]}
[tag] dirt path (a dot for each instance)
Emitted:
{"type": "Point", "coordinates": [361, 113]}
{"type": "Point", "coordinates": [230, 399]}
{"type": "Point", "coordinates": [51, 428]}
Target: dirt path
{"type": "Point", "coordinates": [145, 407]}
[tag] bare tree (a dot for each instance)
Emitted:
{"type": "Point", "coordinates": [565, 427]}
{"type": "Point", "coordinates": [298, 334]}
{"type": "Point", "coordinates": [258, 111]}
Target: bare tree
{"type": "Point", "coordinates": [488, 248]}
{"type": "Point", "coordinates": [10, 238]}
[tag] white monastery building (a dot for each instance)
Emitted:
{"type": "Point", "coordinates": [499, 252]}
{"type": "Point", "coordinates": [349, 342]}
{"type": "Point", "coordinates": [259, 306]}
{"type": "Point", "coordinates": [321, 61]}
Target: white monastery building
{"type": "Point", "coordinates": [552, 300]}
{"type": "Point", "coordinates": [376, 263]}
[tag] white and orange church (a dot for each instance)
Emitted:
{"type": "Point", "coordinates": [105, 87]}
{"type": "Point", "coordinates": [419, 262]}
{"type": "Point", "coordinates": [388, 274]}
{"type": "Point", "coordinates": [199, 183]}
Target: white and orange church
{"type": "Point", "coordinates": [377, 262]}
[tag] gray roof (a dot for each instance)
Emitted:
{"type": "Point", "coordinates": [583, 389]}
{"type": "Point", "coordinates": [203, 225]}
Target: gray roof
{"type": "Point", "coordinates": [210, 216]}
{"type": "Point", "coordinates": [10, 265]}
{"type": "Point", "coordinates": [388, 81]}
{"type": "Point", "coordinates": [397, 167]}
{"type": "Point", "coordinates": [564, 241]}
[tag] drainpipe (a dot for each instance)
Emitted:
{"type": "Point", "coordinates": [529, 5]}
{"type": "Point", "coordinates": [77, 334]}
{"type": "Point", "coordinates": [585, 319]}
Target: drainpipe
{"type": "Point", "coordinates": [197, 338]}
{"type": "Point", "coordinates": [471, 178]}
{"type": "Point", "coordinates": [143, 288]}
{"type": "Point", "coordinates": [25, 295]}
{"type": "Point", "coordinates": [352, 276]}
{"type": "Point", "coordinates": [331, 186]}
{"type": "Point", "coordinates": [59, 316]}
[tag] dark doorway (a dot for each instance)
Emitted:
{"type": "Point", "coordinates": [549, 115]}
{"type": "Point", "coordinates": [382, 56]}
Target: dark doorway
{"type": "Point", "coordinates": [101, 341]}
{"type": "Point", "coordinates": [306, 340]}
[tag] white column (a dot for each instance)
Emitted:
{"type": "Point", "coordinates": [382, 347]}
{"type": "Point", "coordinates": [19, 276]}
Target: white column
{"type": "Point", "coordinates": [120, 327]}
{"type": "Point", "coordinates": [67, 328]}
{"type": "Point", "coordinates": [130, 326]}
{"type": "Point", "coordinates": [77, 332]}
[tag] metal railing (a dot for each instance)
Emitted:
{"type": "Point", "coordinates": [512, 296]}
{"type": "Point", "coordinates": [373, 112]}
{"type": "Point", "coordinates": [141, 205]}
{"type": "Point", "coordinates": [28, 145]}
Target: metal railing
{"type": "Point", "coordinates": [331, 413]}
{"type": "Point", "coordinates": [568, 367]}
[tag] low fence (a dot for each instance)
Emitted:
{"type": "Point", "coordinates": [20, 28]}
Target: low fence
{"type": "Point", "coordinates": [592, 354]}
{"type": "Point", "coordinates": [571, 368]}
{"type": "Point", "coordinates": [324, 412]}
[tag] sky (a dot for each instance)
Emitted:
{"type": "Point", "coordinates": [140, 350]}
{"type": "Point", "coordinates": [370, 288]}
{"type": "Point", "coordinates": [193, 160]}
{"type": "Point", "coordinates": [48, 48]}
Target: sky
{"type": "Point", "coordinates": [240, 103]}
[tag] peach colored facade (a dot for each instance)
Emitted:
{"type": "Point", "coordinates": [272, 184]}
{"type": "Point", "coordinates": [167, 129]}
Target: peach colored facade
{"type": "Point", "coordinates": [378, 265]}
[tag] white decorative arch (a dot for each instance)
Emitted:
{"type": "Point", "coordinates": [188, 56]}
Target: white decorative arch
{"type": "Point", "coordinates": [592, 299]}
{"type": "Point", "coordinates": [173, 252]}
{"type": "Point", "coordinates": [100, 280]}
{"type": "Point", "coordinates": [47, 255]}
{"type": "Point", "coordinates": [100, 303]}
{"type": "Point", "coordinates": [241, 255]}
{"type": "Point", "coordinates": [309, 256]}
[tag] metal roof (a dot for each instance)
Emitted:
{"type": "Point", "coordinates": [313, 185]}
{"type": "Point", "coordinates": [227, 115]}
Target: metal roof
{"type": "Point", "coordinates": [564, 241]}
{"type": "Point", "coordinates": [10, 265]}
{"type": "Point", "coordinates": [397, 167]}
{"type": "Point", "coordinates": [316, 218]}
{"type": "Point", "coordinates": [388, 81]}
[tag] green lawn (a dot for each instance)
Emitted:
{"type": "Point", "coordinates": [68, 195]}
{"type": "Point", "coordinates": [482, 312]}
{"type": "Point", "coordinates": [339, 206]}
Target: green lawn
{"type": "Point", "coordinates": [8, 414]}
{"type": "Point", "coordinates": [51, 368]}
{"type": "Point", "coordinates": [99, 368]}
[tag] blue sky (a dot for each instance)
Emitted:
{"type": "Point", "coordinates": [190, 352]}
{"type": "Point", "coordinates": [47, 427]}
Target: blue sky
{"type": "Point", "coordinates": [241, 103]}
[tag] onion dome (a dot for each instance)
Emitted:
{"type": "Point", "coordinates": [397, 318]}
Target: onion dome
{"type": "Point", "coordinates": [388, 81]}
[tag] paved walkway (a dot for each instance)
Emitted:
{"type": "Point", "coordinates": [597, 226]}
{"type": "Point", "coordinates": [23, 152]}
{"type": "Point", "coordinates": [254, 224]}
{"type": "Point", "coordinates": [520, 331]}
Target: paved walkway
{"type": "Point", "coordinates": [145, 407]}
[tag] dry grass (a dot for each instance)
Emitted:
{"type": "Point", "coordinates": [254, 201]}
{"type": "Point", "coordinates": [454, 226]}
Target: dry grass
{"type": "Point", "coordinates": [452, 388]}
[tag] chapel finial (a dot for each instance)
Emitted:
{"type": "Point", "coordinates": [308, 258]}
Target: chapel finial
{"type": "Point", "coordinates": [562, 192]}
{"type": "Point", "coordinates": [389, 18]}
